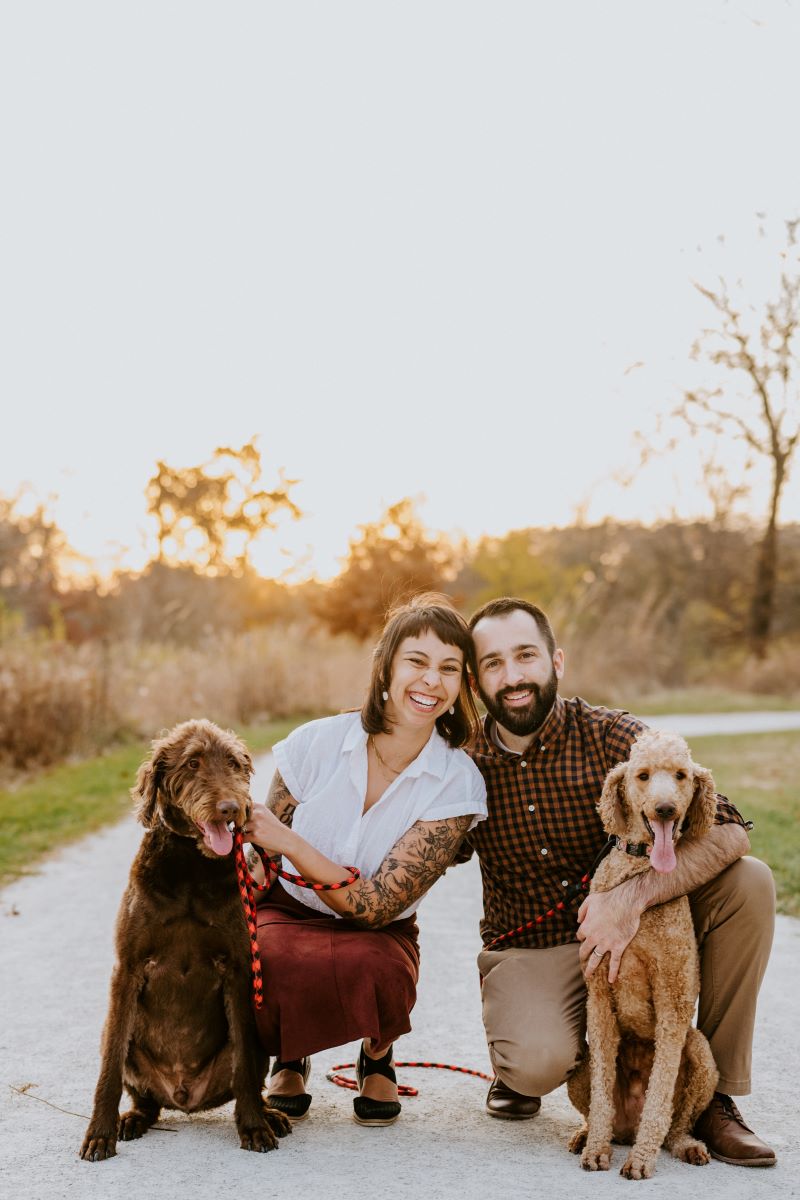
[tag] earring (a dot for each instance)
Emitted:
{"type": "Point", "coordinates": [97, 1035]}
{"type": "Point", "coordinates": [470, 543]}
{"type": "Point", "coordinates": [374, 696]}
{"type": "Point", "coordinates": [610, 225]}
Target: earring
{"type": "Point", "coordinates": [452, 710]}
{"type": "Point", "coordinates": [385, 696]}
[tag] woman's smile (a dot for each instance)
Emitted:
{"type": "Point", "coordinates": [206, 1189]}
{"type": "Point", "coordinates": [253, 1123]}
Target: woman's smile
{"type": "Point", "coordinates": [426, 677]}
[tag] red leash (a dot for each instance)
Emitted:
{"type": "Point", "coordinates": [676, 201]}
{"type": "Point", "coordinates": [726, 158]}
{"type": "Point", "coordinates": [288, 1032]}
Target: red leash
{"type": "Point", "coordinates": [403, 1089]}
{"type": "Point", "coordinates": [247, 888]}
{"type": "Point", "coordinates": [574, 890]}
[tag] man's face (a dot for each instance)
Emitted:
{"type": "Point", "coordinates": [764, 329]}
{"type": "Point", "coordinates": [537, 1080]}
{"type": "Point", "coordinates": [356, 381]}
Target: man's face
{"type": "Point", "coordinates": [517, 678]}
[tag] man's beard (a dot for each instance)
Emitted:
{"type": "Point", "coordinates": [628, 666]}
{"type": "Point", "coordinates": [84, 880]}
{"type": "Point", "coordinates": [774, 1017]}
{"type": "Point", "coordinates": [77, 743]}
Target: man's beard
{"type": "Point", "coordinates": [523, 721]}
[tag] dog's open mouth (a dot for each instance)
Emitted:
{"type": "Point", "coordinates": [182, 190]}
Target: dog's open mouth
{"type": "Point", "coordinates": [217, 837]}
{"type": "Point", "coordinates": [662, 854]}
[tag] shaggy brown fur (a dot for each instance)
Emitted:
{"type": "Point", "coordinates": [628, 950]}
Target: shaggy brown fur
{"type": "Point", "coordinates": [180, 1031]}
{"type": "Point", "coordinates": [649, 1074]}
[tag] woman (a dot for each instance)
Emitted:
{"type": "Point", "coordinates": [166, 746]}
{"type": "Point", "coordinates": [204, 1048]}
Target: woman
{"type": "Point", "coordinates": [386, 790]}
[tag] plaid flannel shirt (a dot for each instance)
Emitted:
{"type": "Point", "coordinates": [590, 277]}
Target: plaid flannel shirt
{"type": "Point", "coordinates": [543, 832]}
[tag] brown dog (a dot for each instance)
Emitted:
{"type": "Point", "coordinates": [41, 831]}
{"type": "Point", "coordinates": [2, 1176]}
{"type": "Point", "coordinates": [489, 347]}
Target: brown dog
{"type": "Point", "coordinates": [180, 1031]}
{"type": "Point", "coordinates": [649, 1074]}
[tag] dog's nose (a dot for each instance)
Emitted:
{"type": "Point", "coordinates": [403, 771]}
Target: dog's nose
{"type": "Point", "coordinates": [228, 809]}
{"type": "Point", "coordinates": [666, 811]}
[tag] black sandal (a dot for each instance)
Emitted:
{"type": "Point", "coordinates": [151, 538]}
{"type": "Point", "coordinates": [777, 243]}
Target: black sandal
{"type": "Point", "coordinates": [367, 1111]}
{"type": "Point", "coordinates": [294, 1107]}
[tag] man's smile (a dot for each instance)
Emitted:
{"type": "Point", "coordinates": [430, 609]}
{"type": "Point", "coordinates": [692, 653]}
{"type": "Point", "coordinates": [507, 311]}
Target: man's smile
{"type": "Point", "coordinates": [518, 698]}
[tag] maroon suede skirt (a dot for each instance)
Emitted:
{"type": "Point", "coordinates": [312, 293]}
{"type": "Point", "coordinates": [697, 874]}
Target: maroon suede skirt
{"type": "Point", "coordinates": [327, 982]}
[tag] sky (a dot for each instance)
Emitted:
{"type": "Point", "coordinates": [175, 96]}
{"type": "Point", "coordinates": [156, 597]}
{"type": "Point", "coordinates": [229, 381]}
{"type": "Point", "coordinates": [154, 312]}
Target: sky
{"type": "Point", "coordinates": [433, 249]}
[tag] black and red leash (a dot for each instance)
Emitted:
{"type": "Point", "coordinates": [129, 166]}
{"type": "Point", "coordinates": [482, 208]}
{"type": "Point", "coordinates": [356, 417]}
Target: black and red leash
{"type": "Point", "coordinates": [573, 891]}
{"type": "Point", "coordinates": [403, 1089]}
{"type": "Point", "coordinates": [247, 889]}
{"type": "Point", "coordinates": [248, 886]}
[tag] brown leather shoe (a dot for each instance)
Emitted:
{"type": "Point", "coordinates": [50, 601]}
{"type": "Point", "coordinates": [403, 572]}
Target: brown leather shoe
{"type": "Point", "coordinates": [728, 1138]}
{"type": "Point", "coordinates": [511, 1106]}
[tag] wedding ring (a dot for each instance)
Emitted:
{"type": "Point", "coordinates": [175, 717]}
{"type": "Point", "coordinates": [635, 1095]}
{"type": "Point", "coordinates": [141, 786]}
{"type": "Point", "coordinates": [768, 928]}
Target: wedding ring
{"type": "Point", "coordinates": [598, 952]}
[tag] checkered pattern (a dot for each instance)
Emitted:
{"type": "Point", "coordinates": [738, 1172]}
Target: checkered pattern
{"type": "Point", "coordinates": [543, 832]}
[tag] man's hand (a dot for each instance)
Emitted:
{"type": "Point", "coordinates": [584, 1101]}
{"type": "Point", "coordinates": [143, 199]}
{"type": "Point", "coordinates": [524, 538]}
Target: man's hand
{"type": "Point", "coordinates": [608, 923]}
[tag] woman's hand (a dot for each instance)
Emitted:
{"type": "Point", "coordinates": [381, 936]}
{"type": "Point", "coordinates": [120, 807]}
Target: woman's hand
{"type": "Point", "coordinates": [265, 830]}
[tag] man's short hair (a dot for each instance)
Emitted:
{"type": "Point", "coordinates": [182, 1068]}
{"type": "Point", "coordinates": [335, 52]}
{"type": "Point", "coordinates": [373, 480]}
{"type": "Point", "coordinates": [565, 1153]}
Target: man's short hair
{"type": "Point", "coordinates": [509, 604]}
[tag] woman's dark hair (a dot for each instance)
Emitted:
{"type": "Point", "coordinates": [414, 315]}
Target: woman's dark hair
{"type": "Point", "coordinates": [437, 613]}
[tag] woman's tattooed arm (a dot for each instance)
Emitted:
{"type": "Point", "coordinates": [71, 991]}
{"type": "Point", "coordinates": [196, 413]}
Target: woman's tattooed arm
{"type": "Point", "coordinates": [282, 804]}
{"type": "Point", "coordinates": [280, 800]}
{"type": "Point", "coordinates": [412, 866]}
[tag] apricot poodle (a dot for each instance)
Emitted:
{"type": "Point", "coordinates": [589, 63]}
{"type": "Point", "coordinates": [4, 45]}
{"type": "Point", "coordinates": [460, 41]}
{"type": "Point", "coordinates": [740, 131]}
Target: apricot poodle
{"type": "Point", "coordinates": [649, 1073]}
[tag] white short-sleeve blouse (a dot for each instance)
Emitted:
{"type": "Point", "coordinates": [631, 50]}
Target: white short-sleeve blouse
{"type": "Point", "coordinates": [324, 766]}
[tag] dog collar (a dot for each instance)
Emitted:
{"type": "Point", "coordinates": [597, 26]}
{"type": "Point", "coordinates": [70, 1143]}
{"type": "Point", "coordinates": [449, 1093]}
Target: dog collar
{"type": "Point", "coordinates": [636, 849]}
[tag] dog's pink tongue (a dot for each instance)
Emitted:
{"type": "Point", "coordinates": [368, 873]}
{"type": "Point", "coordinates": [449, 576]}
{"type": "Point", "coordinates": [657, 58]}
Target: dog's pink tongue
{"type": "Point", "coordinates": [217, 836]}
{"type": "Point", "coordinates": [662, 856]}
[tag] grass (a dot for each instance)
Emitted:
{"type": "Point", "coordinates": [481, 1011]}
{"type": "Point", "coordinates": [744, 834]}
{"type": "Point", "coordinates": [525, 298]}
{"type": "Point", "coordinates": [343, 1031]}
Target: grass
{"type": "Point", "coordinates": [759, 773]}
{"type": "Point", "coordinates": [65, 803]}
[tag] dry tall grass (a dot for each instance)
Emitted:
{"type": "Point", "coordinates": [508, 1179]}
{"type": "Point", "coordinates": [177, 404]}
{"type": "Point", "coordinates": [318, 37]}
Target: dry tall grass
{"type": "Point", "coordinates": [58, 700]}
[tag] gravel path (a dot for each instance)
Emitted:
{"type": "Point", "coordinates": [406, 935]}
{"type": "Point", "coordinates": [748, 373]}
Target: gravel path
{"type": "Point", "coordinates": [56, 955]}
{"type": "Point", "coordinates": [700, 724]}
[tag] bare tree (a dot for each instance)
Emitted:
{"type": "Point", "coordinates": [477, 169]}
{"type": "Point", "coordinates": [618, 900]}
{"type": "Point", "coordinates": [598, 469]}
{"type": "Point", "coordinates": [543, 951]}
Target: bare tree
{"type": "Point", "coordinates": [762, 408]}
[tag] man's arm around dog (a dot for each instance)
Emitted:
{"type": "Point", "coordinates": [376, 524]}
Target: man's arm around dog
{"type": "Point", "coordinates": [609, 920]}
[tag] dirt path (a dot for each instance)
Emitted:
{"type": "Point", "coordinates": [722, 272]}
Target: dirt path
{"type": "Point", "coordinates": [56, 954]}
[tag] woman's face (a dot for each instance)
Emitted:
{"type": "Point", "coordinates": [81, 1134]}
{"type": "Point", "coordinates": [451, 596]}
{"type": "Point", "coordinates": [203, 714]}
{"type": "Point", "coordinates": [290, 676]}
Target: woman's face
{"type": "Point", "coordinates": [426, 680]}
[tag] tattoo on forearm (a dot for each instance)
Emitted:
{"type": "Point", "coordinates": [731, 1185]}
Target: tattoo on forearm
{"type": "Point", "coordinates": [412, 866]}
{"type": "Point", "coordinates": [280, 801]}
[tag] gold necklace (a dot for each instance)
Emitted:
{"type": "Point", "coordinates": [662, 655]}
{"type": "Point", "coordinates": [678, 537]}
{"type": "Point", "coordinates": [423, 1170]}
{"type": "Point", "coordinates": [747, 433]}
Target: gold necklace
{"type": "Point", "coordinates": [383, 762]}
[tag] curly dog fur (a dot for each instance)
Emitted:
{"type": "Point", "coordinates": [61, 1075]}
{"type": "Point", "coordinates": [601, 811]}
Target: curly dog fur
{"type": "Point", "coordinates": [649, 1074]}
{"type": "Point", "coordinates": [180, 1031]}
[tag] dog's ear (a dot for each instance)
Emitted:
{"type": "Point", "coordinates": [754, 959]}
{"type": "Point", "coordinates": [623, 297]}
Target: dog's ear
{"type": "Point", "coordinates": [612, 807]}
{"type": "Point", "coordinates": [145, 793]}
{"type": "Point", "coordinates": [703, 807]}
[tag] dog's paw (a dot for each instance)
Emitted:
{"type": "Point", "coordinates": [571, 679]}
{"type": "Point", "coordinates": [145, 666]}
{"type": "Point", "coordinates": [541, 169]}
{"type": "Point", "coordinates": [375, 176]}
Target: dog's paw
{"type": "Point", "coordinates": [596, 1158]}
{"type": "Point", "coordinates": [258, 1138]}
{"type": "Point", "coordinates": [278, 1122]}
{"type": "Point", "coordinates": [97, 1146]}
{"type": "Point", "coordinates": [133, 1124]}
{"type": "Point", "coordinates": [578, 1140]}
{"type": "Point", "coordinates": [638, 1166]}
{"type": "Point", "coordinates": [692, 1151]}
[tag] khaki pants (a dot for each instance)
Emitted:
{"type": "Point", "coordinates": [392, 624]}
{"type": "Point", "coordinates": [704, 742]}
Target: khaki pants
{"type": "Point", "coordinates": [534, 1001]}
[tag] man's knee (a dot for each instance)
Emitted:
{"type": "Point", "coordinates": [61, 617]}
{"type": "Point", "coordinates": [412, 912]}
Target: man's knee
{"type": "Point", "coordinates": [532, 1067]}
{"type": "Point", "coordinates": [749, 888]}
{"type": "Point", "coordinates": [741, 898]}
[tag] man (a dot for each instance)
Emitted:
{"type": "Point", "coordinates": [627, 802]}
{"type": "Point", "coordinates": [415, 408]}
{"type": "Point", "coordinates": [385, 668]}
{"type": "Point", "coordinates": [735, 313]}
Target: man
{"type": "Point", "coordinates": [544, 760]}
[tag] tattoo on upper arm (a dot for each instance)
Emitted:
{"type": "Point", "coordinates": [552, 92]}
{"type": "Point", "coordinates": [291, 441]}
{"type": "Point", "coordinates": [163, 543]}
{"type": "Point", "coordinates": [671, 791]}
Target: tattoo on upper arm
{"type": "Point", "coordinates": [411, 867]}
